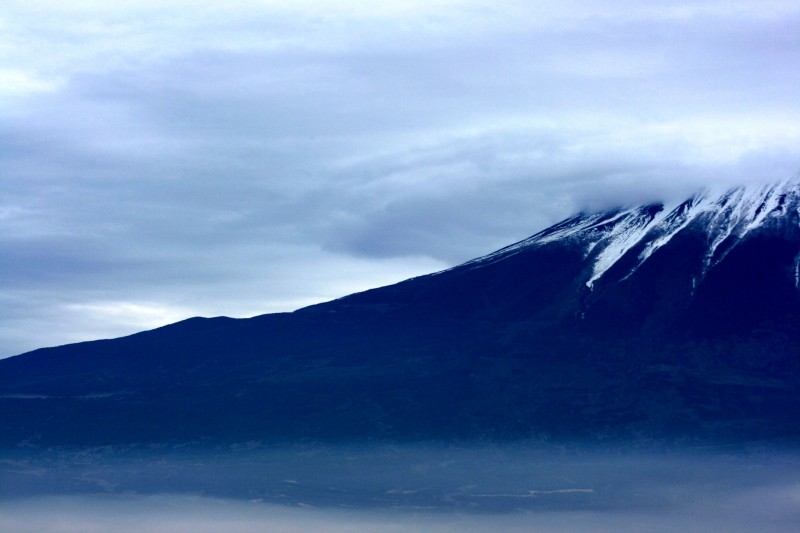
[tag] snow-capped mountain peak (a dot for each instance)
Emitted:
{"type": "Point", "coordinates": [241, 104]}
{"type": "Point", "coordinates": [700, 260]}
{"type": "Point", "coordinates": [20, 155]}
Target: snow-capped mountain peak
{"type": "Point", "coordinates": [636, 233]}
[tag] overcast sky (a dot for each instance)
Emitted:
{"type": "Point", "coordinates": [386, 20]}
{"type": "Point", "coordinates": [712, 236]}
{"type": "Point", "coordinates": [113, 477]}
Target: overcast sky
{"type": "Point", "coordinates": [161, 160]}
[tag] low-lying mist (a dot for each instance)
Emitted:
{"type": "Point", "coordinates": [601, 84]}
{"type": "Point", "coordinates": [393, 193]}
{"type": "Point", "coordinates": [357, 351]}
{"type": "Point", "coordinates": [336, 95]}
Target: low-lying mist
{"type": "Point", "coordinates": [398, 488]}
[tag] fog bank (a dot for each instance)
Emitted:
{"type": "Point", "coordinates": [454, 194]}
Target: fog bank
{"type": "Point", "coordinates": [773, 510]}
{"type": "Point", "coordinates": [397, 489]}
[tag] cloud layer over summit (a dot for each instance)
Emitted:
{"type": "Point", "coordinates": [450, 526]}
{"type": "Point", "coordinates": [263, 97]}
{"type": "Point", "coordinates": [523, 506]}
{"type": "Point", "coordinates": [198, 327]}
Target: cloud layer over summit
{"type": "Point", "coordinates": [163, 160]}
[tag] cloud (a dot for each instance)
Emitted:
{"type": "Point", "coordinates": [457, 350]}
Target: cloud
{"type": "Point", "coordinates": [163, 153]}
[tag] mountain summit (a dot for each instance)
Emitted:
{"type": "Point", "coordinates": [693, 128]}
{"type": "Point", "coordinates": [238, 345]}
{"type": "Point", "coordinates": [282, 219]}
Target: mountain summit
{"type": "Point", "coordinates": [656, 322]}
{"type": "Point", "coordinates": [634, 235]}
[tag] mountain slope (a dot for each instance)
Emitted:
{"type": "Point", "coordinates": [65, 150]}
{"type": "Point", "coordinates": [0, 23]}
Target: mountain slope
{"type": "Point", "coordinates": [658, 322]}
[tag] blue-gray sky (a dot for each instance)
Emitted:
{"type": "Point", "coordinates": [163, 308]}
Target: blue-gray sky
{"type": "Point", "coordinates": [160, 160]}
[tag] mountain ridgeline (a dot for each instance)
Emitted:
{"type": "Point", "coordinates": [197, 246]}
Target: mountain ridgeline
{"type": "Point", "coordinates": [655, 323]}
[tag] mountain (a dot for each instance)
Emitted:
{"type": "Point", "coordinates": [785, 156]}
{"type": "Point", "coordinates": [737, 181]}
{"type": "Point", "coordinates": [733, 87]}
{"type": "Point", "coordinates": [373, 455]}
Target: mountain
{"type": "Point", "coordinates": [657, 322]}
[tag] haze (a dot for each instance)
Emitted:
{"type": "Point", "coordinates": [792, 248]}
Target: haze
{"type": "Point", "coordinates": [400, 488]}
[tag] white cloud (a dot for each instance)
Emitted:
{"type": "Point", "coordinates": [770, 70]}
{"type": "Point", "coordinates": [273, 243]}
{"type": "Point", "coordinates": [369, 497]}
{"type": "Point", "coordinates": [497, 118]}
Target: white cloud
{"type": "Point", "coordinates": [14, 81]}
{"type": "Point", "coordinates": [143, 315]}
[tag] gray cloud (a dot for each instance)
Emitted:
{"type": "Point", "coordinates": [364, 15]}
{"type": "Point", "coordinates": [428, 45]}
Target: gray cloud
{"type": "Point", "coordinates": [190, 158]}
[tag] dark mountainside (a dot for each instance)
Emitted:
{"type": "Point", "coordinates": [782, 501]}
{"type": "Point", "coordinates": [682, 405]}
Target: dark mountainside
{"type": "Point", "coordinates": [650, 324]}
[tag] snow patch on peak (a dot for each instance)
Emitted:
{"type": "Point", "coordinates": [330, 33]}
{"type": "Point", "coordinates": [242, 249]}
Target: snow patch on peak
{"type": "Point", "coordinates": [675, 221]}
{"type": "Point", "coordinates": [739, 211]}
{"type": "Point", "coordinates": [582, 226]}
{"type": "Point", "coordinates": [797, 272]}
{"type": "Point", "coordinates": [725, 217]}
{"type": "Point", "coordinates": [624, 236]}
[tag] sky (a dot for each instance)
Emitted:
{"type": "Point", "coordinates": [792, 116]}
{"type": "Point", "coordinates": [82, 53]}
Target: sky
{"type": "Point", "coordinates": [162, 160]}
